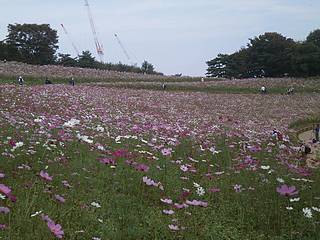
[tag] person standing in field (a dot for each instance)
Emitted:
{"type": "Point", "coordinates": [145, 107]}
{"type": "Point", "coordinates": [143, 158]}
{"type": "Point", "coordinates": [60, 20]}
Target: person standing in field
{"type": "Point", "coordinates": [71, 81]}
{"type": "Point", "coordinates": [316, 131]}
{"type": "Point", "coordinates": [20, 81]}
{"type": "Point", "coordinates": [263, 90]}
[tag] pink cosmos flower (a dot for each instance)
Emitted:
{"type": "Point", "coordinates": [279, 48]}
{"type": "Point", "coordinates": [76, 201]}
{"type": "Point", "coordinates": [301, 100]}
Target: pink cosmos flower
{"type": "Point", "coordinates": [173, 227]}
{"type": "Point", "coordinates": [149, 182]}
{"type": "Point", "coordinates": [184, 168]}
{"type": "Point", "coordinates": [107, 161]}
{"type": "Point", "coordinates": [166, 201]}
{"type": "Point", "coordinates": [142, 168]}
{"type": "Point", "coordinates": [56, 229]}
{"type": "Point", "coordinates": [3, 226]}
{"type": "Point", "coordinates": [2, 175]}
{"type": "Point", "coordinates": [197, 203]}
{"type": "Point", "coordinates": [166, 151]}
{"type": "Point", "coordinates": [120, 153]}
{"type": "Point", "coordinates": [4, 189]}
{"type": "Point", "coordinates": [180, 206]}
{"type": "Point", "coordinates": [4, 210]}
{"type": "Point", "coordinates": [45, 176]}
{"type": "Point", "coordinates": [7, 191]}
{"type": "Point", "coordinates": [66, 184]}
{"type": "Point", "coordinates": [60, 198]}
{"type": "Point", "coordinates": [285, 190]}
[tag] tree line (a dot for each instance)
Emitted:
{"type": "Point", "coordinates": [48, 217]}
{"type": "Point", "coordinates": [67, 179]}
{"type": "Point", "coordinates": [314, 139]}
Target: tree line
{"type": "Point", "coordinates": [38, 44]}
{"type": "Point", "coordinates": [270, 55]}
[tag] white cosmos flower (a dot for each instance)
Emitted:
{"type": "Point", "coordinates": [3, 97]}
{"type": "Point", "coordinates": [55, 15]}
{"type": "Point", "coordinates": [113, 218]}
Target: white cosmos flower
{"type": "Point", "coordinates": [280, 180]}
{"type": "Point", "coordinates": [265, 167]}
{"type": "Point", "coordinates": [95, 204]}
{"type": "Point", "coordinates": [214, 151]}
{"type": "Point", "coordinates": [289, 208]}
{"type": "Point", "coordinates": [84, 138]}
{"type": "Point", "coordinates": [307, 212]}
{"type": "Point", "coordinates": [36, 214]}
{"type": "Point", "coordinates": [101, 148]}
{"type": "Point", "coordinates": [316, 209]}
{"type": "Point", "coordinates": [294, 199]}
{"type": "Point", "coordinates": [200, 191]}
{"type": "Point", "coordinates": [100, 129]}
{"type": "Point", "coordinates": [71, 123]}
{"type": "Point", "coordinates": [196, 184]}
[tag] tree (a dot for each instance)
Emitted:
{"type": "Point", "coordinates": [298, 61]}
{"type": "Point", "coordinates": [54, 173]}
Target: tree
{"type": "Point", "coordinates": [306, 60]}
{"type": "Point", "coordinates": [66, 60]}
{"type": "Point", "coordinates": [218, 67]}
{"type": "Point", "coordinates": [86, 60]}
{"type": "Point", "coordinates": [34, 44]}
{"type": "Point", "coordinates": [314, 37]}
{"type": "Point", "coordinates": [3, 51]}
{"type": "Point", "coordinates": [147, 68]}
{"type": "Point", "coordinates": [270, 55]}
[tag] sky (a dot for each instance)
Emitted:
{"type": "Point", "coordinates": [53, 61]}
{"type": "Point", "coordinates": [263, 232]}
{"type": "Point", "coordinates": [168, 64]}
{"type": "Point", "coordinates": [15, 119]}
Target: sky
{"type": "Point", "coordinates": [176, 36]}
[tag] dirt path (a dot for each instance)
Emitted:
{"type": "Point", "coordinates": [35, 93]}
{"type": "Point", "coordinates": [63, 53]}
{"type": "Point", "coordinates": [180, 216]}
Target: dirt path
{"type": "Point", "coordinates": [312, 160]}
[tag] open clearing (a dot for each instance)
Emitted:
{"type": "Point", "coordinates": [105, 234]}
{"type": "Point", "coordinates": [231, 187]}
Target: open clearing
{"type": "Point", "coordinates": [109, 163]}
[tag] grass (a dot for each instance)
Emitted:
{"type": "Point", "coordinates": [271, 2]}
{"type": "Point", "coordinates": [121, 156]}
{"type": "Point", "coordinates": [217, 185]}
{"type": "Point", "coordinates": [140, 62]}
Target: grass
{"type": "Point", "coordinates": [132, 210]}
{"type": "Point", "coordinates": [174, 84]}
{"type": "Point", "coordinates": [305, 123]}
{"type": "Point", "coordinates": [202, 88]}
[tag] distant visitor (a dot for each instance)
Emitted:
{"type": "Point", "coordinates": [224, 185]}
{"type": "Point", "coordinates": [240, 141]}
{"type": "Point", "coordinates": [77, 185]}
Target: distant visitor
{"type": "Point", "coordinates": [20, 80]}
{"type": "Point", "coordinates": [263, 90]}
{"type": "Point", "coordinates": [71, 81]}
{"type": "Point", "coordinates": [47, 81]}
{"type": "Point", "coordinates": [290, 91]}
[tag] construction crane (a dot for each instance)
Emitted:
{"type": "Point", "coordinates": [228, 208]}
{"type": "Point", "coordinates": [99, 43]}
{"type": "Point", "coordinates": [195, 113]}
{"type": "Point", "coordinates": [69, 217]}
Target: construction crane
{"type": "Point", "coordinates": [98, 46]}
{"type": "Point", "coordinates": [73, 45]}
{"type": "Point", "coordinates": [124, 49]}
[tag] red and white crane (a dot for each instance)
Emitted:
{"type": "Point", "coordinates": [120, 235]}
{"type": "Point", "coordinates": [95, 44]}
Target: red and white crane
{"type": "Point", "coordinates": [73, 45]}
{"type": "Point", "coordinates": [98, 46]}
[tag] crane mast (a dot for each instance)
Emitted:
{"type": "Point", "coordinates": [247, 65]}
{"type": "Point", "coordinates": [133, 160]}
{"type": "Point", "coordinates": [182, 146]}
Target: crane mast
{"type": "Point", "coordinates": [98, 46]}
{"type": "Point", "coordinates": [122, 47]}
{"type": "Point", "coordinates": [73, 45]}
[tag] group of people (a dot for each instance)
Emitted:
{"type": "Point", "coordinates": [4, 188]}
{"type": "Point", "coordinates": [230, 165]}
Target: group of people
{"type": "Point", "coordinates": [46, 81]}
{"type": "Point", "coordinates": [290, 91]}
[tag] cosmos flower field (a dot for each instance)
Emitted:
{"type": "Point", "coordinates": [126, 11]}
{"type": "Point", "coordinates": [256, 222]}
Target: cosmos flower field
{"type": "Point", "coordinates": [89, 162]}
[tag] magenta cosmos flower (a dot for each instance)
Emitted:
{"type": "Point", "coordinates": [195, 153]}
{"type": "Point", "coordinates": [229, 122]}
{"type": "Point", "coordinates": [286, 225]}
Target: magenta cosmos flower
{"type": "Point", "coordinates": [45, 176]}
{"type": "Point", "coordinates": [142, 168]}
{"type": "Point", "coordinates": [285, 190]}
{"type": "Point", "coordinates": [7, 191]}
{"type": "Point", "coordinates": [56, 229]}
{"type": "Point", "coordinates": [59, 198]}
